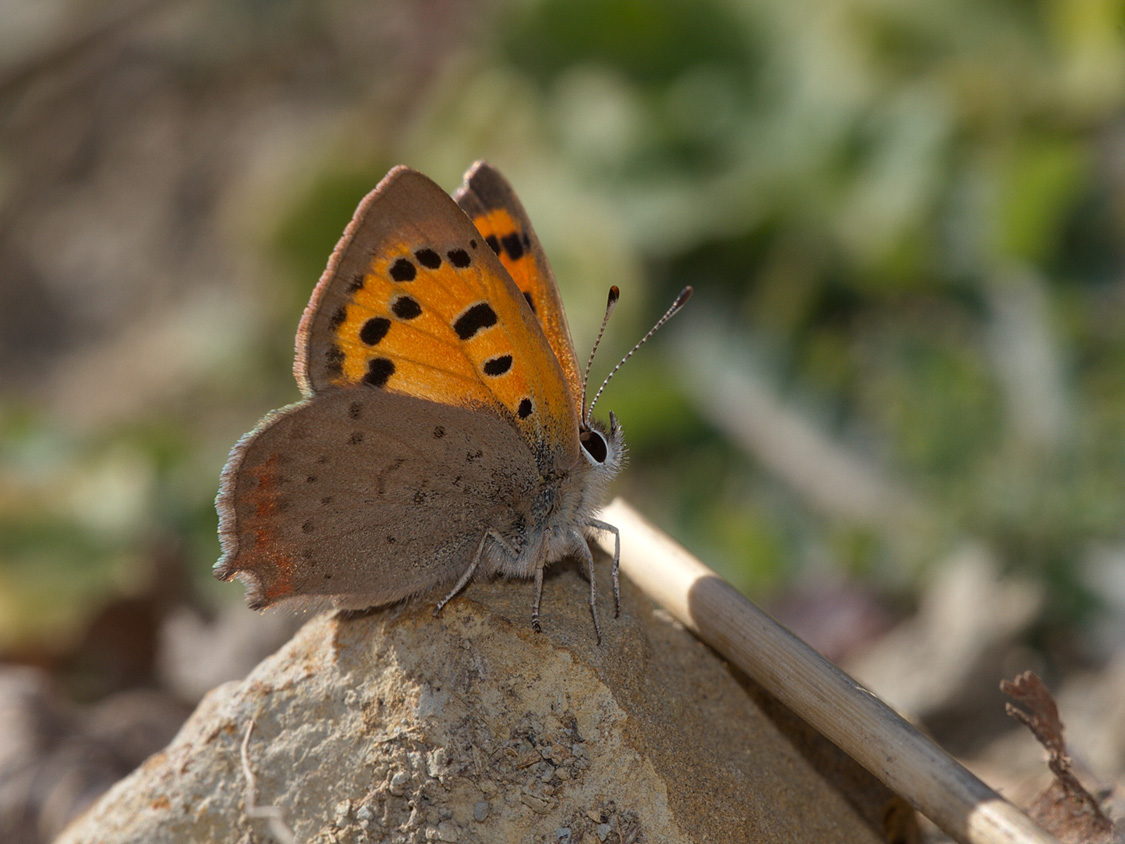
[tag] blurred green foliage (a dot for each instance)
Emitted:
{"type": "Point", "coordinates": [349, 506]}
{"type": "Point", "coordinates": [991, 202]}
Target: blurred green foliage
{"type": "Point", "coordinates": [856, 185]}
{"type": "Point", "coordinates": [894, 210]}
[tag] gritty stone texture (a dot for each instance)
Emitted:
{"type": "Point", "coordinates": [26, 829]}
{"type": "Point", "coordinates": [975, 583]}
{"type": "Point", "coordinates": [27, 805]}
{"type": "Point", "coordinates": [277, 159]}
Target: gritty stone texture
{"type": "Point", "coordinates": [395, 726]}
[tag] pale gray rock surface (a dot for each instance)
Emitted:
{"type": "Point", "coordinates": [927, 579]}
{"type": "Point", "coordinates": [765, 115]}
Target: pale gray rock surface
{"type": "Point", "coordinates": [399, 727]}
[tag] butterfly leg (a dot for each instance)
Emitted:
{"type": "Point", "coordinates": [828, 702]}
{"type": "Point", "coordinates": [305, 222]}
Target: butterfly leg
{"type": "Point", "coordinates": [463, 581]}
{"type": "Point", "coordinates": [503, 543]}
{"type": "Point", "coordinates": [584, 552]}
{"type": "Point", "coordinates": [538, 595]}
{"type": "Point", "coordinates": [606, 526]}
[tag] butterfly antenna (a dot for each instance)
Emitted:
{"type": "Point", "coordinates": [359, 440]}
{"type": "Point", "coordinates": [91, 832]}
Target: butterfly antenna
{"type": "Point", "coordinates": [681, 300]}
{"type": "Point", "coordinates": [614, 295]}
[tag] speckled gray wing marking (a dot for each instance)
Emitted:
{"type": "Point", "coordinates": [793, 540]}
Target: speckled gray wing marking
{"type": "Point", "coordinates": [369, 495]}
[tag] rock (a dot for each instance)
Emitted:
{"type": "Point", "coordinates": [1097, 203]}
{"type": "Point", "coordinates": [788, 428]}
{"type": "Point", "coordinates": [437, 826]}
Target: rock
{"type": "Point", "coordinates": [471, 727]}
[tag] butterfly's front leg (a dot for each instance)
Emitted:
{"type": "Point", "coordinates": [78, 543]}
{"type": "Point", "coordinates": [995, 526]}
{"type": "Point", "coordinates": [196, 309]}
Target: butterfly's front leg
{"type": "Point", "coordinates": [606, 526]}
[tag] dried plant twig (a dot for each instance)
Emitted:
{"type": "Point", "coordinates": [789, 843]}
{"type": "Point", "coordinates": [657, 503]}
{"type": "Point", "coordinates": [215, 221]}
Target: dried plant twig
{"type": "Point", "coordinates": [1066, 807]}
{"type": "Point", "coordinates": [273, 815]}
{"type": "Point", "coordinates": [816, 690]}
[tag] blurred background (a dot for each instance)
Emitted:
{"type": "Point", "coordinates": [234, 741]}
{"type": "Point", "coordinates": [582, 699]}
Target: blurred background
{"type": "Point", "coordinates": [894, 413]}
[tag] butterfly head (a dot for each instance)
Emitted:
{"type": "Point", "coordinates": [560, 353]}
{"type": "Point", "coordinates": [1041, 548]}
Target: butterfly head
{"type": "Point", "coordinates": [602, 446]}
{"type": "Point", "coordinates": [603, 455]}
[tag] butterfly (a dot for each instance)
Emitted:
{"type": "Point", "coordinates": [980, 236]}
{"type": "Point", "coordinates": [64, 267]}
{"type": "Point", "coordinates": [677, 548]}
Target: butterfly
{"type": "Point", "coordinates": [443, 434]}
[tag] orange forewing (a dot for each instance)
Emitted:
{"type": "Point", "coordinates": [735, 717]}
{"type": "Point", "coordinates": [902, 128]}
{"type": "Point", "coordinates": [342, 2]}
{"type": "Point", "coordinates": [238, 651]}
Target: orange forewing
{"type": "Point", "coordinates": [415, 302]}
{"type": "Point", "coordinates": [489, 200]}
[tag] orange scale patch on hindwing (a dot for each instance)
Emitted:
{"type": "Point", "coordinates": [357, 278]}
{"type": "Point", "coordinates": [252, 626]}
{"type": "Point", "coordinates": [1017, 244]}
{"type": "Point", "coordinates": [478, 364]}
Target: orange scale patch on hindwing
{"type": "Point", "coordinates": [265, 557]}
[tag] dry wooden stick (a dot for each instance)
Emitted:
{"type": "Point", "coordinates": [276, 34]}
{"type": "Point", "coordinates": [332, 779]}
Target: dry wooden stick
{"type": "Point", "coordinates": [824, 696]}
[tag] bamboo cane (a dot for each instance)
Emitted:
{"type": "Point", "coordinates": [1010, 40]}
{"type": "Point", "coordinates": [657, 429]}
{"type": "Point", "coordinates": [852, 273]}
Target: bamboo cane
{"type": "Point", "coordinates": [824, 696]}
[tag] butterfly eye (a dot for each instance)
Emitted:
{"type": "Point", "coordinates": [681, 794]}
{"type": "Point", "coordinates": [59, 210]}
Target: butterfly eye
{"type": "Point", "coordinates": [594, 444]}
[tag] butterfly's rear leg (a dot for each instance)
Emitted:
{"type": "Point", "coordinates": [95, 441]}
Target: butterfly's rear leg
{"type": "Point", "coordinates": [464, 579]}
{"type": "Point", "coordinates": [538, 597]}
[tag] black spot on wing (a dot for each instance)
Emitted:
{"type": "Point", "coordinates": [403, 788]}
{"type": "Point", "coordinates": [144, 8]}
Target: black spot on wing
{"type": "Point", "coordinates": [476, 318]}
{"type": "Point", "coordinates": [525, 409]}
{"type": "Point", "coordinates": [428, 258]}
{"type": "Point", "coordinates": [494, 242]}
{"type": "Point", "coordinates": [458, 258]}
{"type": "Point", "coordinates": [379, 371]}
{"type": "Point", "coordinates": [513, 245]}
{"type": "Point", "coordinates": [497, 365]}
{"type": "Point", "coordinates": [374, 330]}
{"type": "Point", "coordinates": [406, 307]}
{"type": "Point", "coordinates": [403, 270]}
